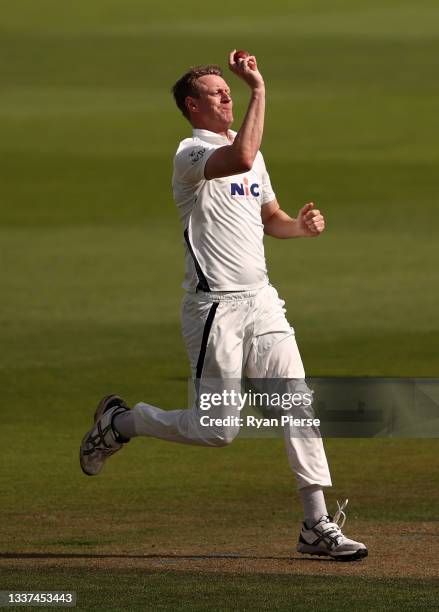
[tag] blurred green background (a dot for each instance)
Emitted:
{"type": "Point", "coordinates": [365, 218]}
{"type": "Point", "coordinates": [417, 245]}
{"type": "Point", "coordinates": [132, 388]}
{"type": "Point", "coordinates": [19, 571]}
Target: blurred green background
{"type": "Point", "coordinates": [92, 250]}
{"type": "Point", "coordinates": [91, 242]}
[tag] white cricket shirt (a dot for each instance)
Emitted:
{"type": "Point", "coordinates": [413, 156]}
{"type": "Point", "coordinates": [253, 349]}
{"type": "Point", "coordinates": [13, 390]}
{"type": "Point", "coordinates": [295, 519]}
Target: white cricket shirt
{"type": "Point", "coordinates": [221, 218]}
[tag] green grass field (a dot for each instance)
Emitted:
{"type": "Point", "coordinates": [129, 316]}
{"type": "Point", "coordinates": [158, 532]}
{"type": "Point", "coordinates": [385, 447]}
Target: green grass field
{"type": "Point", "coordinates": [91, 251]}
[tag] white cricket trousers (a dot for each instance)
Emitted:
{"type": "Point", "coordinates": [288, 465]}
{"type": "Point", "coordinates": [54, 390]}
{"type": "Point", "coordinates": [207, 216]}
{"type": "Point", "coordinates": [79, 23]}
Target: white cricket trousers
{"type": "Point", "coordinates": [228, 336]}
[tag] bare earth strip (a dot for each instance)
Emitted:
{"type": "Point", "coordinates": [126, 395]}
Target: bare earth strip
{"type": "Point", "coordinates": [395, 550]}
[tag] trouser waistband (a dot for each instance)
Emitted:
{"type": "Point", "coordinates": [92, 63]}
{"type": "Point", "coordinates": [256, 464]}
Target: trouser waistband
{"type": "Point", "coordinates": [223, 296]}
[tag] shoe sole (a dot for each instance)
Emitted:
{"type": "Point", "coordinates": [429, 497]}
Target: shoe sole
{"type": "Point", "coordinates": [100, 409]}
{"type": "Point", "coordinates": [359, 554]}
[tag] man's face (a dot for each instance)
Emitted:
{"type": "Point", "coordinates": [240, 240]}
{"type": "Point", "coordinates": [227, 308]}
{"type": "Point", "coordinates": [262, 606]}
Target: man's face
{"type": "Point", "coordinates": [212, 108]}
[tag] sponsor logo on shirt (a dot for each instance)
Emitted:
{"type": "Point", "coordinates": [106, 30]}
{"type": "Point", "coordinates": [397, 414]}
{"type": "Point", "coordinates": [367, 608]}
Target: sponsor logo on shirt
{"type": "Point", "coordinates": [196, 155]}
{"type": "Point", "coordinates": [244, 189]}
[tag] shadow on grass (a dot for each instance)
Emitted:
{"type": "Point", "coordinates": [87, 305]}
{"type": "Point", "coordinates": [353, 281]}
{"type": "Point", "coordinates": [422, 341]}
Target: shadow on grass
{"type": "Point", "coordinates": [48, 555]}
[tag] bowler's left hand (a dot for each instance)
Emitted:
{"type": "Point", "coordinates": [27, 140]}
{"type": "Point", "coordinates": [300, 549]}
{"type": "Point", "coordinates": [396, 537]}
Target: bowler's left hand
{"type": "Point", "coordinates": [311, 222]}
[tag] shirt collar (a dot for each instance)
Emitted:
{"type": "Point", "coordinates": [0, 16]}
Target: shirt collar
{"type": "Point", "coordinates": [212, 137]}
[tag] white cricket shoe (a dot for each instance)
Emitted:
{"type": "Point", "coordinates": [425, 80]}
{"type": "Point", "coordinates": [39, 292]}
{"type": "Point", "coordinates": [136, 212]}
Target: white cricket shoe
{"type": "Point", "coordinates": [326, 538]}
{"type": "Point", "coordinates": [102, 441]}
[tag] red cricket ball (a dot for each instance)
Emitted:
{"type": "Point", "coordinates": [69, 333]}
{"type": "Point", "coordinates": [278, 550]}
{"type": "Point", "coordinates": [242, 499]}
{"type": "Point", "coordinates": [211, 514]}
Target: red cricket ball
{"type": "Point", "coordinates": [240, 55]}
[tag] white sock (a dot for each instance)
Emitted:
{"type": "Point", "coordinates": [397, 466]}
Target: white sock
{"type": "Point", "coordinates": [124, 424]}
{"type": "Point", "coordinates": [314, 505]}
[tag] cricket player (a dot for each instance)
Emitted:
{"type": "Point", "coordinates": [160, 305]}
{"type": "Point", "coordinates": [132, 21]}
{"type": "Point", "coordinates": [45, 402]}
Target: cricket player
{"type": "Point", "coordinates": [233, 321]}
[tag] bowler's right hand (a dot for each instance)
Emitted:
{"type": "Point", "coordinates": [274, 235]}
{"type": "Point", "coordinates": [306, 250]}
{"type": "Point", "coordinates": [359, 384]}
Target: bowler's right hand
{"type": "Point", "coordinates": [246, 68]}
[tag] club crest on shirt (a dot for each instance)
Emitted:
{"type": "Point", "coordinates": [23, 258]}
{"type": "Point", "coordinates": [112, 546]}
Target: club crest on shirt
{"type": "Point", "coordinates": [244, 189]}
{"type": "Point", "coordinates": [196, 155]}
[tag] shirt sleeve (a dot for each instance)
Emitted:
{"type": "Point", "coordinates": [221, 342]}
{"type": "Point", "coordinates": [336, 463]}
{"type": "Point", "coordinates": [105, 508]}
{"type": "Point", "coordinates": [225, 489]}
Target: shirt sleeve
{"type": "Point", "coordinates": [189, 162]}
{"type": "Point", "coordinates": [267, 192]}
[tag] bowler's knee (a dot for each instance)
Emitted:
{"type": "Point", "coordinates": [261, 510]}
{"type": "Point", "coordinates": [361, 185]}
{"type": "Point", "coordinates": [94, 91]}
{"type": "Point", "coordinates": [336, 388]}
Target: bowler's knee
{"type": "Point", "coordinates": [223, 437]}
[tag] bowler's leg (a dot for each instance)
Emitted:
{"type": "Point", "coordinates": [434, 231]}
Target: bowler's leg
{"type": "Point", "coordinates": [276, 356]}
{"type": "Point", "coordinates": [213, 334]}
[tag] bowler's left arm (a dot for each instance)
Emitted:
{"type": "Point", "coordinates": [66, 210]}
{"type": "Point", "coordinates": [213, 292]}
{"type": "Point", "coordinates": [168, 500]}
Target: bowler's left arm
{"type": "Point", "coordinates": [309, 222]}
